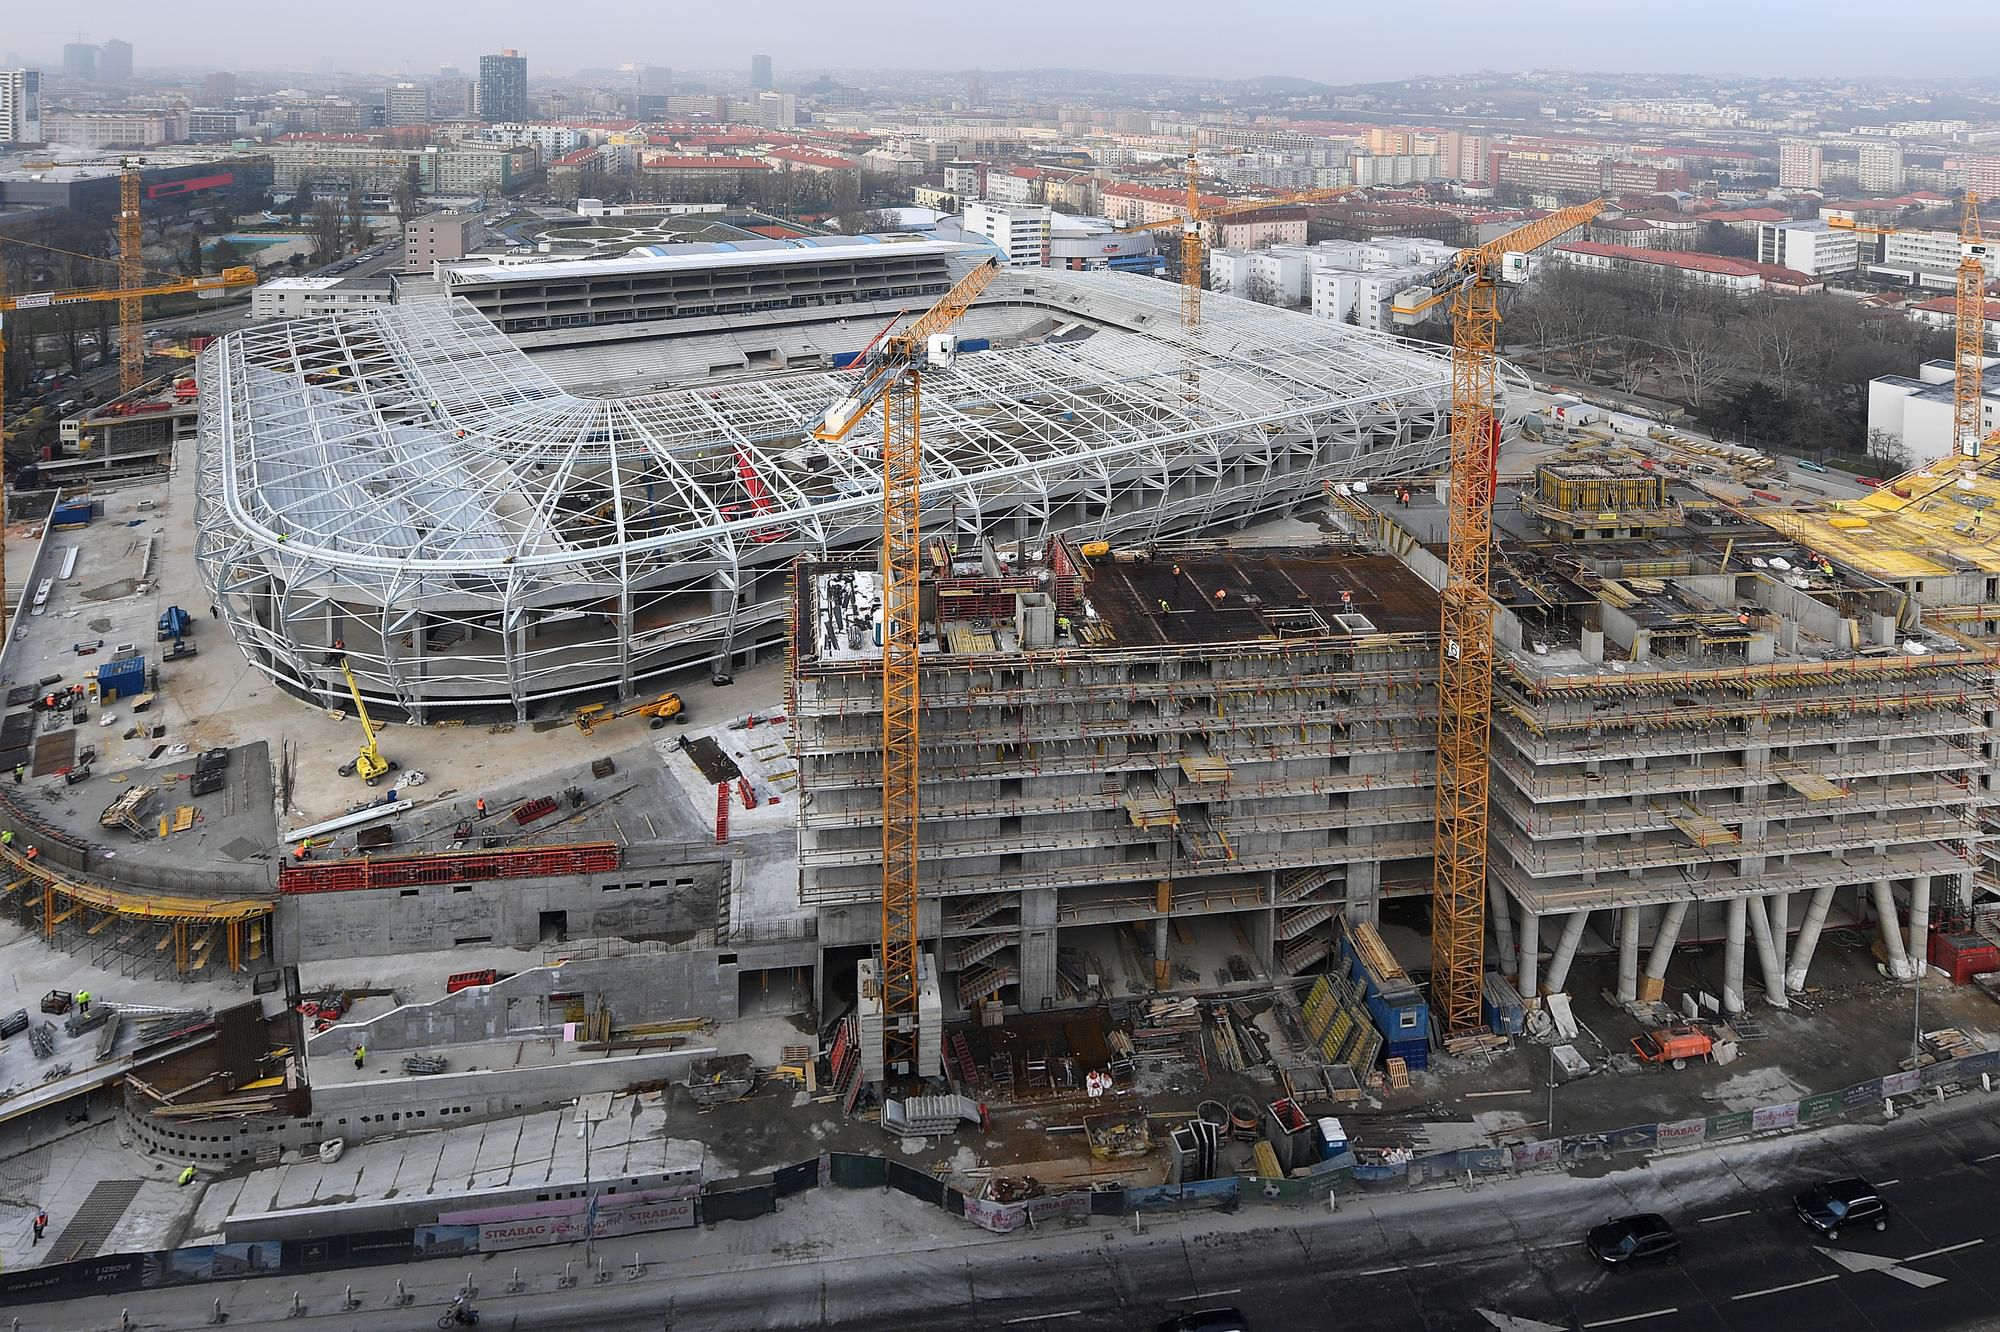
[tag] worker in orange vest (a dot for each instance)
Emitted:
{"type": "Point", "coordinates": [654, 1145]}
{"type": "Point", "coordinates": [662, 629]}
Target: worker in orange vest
{"type": "Point", "coordinates": [33, 852]}
{"type": "Point", "coordinates": [302, 850]}
{"type": "Point", "coordinates": [479, 807]}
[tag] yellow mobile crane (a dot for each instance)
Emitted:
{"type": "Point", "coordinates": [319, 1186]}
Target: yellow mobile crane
{"type": "Point", "coordinates": [894, 377]}
{"type": "Point", "coordinates": [369, 762]}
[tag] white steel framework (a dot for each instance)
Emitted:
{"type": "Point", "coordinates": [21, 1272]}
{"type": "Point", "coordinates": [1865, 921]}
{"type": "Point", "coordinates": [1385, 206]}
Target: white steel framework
{"type": "Point", "coordinates": [406, 485]}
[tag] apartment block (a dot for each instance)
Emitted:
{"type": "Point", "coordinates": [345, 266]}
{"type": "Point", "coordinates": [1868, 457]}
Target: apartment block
{"type": "Point", "coordinates": [1228, 747]}
{"type": "Point", "coordinates": [1021, 231]}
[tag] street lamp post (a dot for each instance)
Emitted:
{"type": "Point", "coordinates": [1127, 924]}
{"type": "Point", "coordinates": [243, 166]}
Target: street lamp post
{"type": "Point", "coordinates": [589, 1182]}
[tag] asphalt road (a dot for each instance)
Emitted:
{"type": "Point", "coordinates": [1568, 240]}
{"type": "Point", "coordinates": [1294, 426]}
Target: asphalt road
{"type": "Point", "coordinates": [1504, 1256]}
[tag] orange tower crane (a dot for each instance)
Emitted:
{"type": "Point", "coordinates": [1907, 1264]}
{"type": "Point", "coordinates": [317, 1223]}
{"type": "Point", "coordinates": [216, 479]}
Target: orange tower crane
{"type": "Point", "coordinates": [1465, 667]}
{"type": "Point", "coordinates": [124, 293]}
{"type": "Point", "coordinates": [1969, 310]}
{"type": "Point", "coordinates": [893, 376]}
{"type": "Point", "coordinates": [131, 275]}
{"type": "Point", "coordinates": [1190, 225]}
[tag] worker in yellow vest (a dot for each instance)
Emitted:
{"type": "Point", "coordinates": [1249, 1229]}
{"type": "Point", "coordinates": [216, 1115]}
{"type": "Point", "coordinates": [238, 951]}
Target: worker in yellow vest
{"type": "Point", "coordinates": [187, 1177]}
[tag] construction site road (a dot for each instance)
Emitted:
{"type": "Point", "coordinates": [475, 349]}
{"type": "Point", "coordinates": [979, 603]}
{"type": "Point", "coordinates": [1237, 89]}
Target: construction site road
{"type": "Point", "coordinates": [1504, 1255]}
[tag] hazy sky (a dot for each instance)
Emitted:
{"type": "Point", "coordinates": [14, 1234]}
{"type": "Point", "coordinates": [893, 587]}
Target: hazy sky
{"type": "Point", "coordinates": [1335, 41]}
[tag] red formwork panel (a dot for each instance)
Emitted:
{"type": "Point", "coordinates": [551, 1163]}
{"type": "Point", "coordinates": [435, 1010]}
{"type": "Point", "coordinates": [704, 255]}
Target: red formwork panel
{"type": "Point", "coordinates": [531, 862]}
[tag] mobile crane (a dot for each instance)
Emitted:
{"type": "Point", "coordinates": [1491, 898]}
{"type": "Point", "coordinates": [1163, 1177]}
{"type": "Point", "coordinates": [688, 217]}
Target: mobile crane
{"type": "Point", "coordinates": [662, 709]}
{"type": "Point", "coordinates": [369, 761]}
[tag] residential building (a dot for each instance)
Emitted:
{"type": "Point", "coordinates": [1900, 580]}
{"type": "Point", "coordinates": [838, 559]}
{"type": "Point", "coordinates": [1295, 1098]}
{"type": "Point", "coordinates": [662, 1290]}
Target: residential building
{"type": "Point", "coordinates": [819, 164]}
{"type": "Point", "coordinates": [474, 169]}
{"type": "Point", "coordinates": [1980, 173]}
{"type": "Point", "coordinates": [967, 180]}
{"type": "Point", "coordinates": [435, 237]}
{"type": "Point", "coordinates": [1566, 173]}
{"type": "Point", "coordinates": [1367, 169]}
{"type": "Point", "coordinates": [114, 129]}
{"type": "Point", "coordinates": [1813, 247]}
{"type": "Point", "coordinates": [1879, 168]}
{"type": "Point", "coordinates": [1356, 282]}
{"type": "Point", "coordinates": [1021, 231]}
{"type": "Point", "coordinates": [1924, 259]}
{"type": "Point", "coordinates": [79, 62]}
{"type": "Point", "coordinates": [1270, 226]}
{"type": "Point", "coordinates": [406, 104]}
{"type": "Point", "coordinates": [1800, 164]}
{"type": "Point", "coordinates": [760, 73]}
{"type": "Point", "coordinates": [1917, 412]}
{"type": "Point", "coordinates": [696, 179]}
{"type": "Point", "coordinates": [303, 297]}
{"type": "Point", "coordinates": [933, 196]}
{"type": "Point", "coordinates": [1132, 204]}
{"type": "Point", "coordinates": [336, 167]}
{"type": "Point", "coordinates": [1943, 313]}
{"type": "Point", "coordinates": [209, 125]}
{"type": "Point", "coordinates": [20, 106]}
{"type": "Point", "coordinates": [218, 88]}
{"type": "Point", "coordinates": [503, 86]}
{"type": "Point", "coordinates": [1739, 277]}
{"type": "Point", "coordinates": [114, 63]}
{"type": "Point", "coordinates": [775, 110]}
{"type": "Point", "coordinates": [454, 98]}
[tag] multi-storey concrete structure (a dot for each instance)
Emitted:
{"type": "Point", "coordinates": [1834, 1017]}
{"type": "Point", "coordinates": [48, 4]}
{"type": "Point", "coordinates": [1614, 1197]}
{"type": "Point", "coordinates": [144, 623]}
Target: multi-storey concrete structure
{"type": "Point", "coordinates": [503, 86]}
{"type": "Point", "coordinates": [1020, 231]}
{"type": "Point", "coordinates": [441, 237]}
{"type": "Point", "coordinates": [1879, 168]}
{"type": "Point", "coordinates": [1801, 165]}
{"type": "Point", "coordinates": [406, 104]}
{"type": "Point", "coordinates": [114, 63]}
{"type": "Point", "coordinates": [114, 129]}
{"type": "Point", "coordinates": [1808, 247]}
{"type": "Point", "coordinates": [20, 106]}
{"type": "Point", "coordinates": [1230, 744]}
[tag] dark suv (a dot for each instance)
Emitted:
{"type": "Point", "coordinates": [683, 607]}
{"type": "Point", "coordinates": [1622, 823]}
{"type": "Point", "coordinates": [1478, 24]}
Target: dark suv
{"type": "Point", "coordinates": [1836, 1204]}
{"type": "Point", "coordinates": [1626, 1240]}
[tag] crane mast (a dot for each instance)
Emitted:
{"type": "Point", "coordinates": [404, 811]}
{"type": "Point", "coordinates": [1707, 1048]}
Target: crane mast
{"type": "Point", "coordinates": [1968, 386]}
{"type": "Point", "coordinates": [131, 276]}
{"type": "Point", "coordinates": [1465, 666]}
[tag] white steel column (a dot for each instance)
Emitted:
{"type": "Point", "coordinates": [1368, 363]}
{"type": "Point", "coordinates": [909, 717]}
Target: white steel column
{"type": "Point", "coordinates": [1628, 955]}
{"type": "Point", "coordinates": [1732, 959]}
{"type": "Point", "coordinates": [1767, 954]}
{"type": "Point", "coordinates": [1566, 950]}
{"type": "Point", "coordinates": [1531, 948]}
{"type": "Point", "coordinates": [1920, 924]}
{"type": "Point", "coordinates": [1808, 940]}
{"type": "Point", "coordinates": [1664, 940]}
{"type": "Point", "coordinates": [1892, 933]}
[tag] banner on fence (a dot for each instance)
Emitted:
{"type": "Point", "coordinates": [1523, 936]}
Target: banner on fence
{"type": "Point", "coordinates": [1002, 1218]}
{"type": "Point", "coordinates": [1767, 1117]}
{"type": "Point", "coordinates": [1183, 1197]}
{"type": "Point", "coordinates": [1901, 1084]}
{"type": "Point", "coordinates": [1731, 1125]}
{"type": "Point", "coordinates": [1682, 1133]}
{"type": "Point", "coordinates": [1638, 1138]}
{"type": "Point", "coordinates": [1826, 1105]}
{"type": "Point", "coordinates": [1536, 1155]}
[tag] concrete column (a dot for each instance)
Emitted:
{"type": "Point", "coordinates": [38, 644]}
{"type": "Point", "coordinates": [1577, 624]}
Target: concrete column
{"type": "Point", "coordinates": [1767, 954]}
{"type": "Point", "coordinates": [1531, 948]}
{"type": "Point", "coordinates": [1566, 950]}
{"type": "Point", "coordinates": [1808, 940]}
{"type": "Point", "coordinates": [1920, 924]}
{"type": "Point", "coordinates": [1628, 955]}
{"type": "Point", "coordinates": [1892, 934]}
{"type": "Point", "coordinates": [1664, 940]}
{"type": "Point", "coordinates": [1732, 959]}
{"type": "Point", "coordinates": [1503, 928]}
{"type": "Point", "coordinates": [1162, 977]}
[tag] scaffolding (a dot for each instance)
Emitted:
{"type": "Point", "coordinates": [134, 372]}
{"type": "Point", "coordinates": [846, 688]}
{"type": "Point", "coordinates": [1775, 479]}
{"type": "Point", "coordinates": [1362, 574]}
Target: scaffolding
{"type": "Point", "coordinates": [407, 483]}
{"type": "Point", "coordinates": [181, 937]}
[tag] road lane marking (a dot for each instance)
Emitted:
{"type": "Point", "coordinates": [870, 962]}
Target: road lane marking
{"type": "Point", "coordinates": [1724, 1216]}
{"type": "Point", "coordinates": [1043, 1318]}
{"type": "Point", "coordinates": [1774, 1290]}
{"type": "Point", "coordinates": [1949, 1248]}
{"type": "Point", "coordinates": [1982, 1160]}
{"type": "Point", "coordinates": [1211, 1295]}
{"type": "Point", "coordinates": [1875, 1262]}
{"type": "Point", "coordinates": [1887, 1182]}
{"type": "Point", "coordinates": [1406, 1267]}
{"type": "Point", "coordinates": [1632, 1318]}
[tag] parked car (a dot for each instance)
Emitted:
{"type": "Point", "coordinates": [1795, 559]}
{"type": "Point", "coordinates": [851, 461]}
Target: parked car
{"type": "Point", "coordinates": [1627, 1240]}
{"type": "Point", "coordinates": [1835, 1204]}
{"type": "Point", "coordinates": [1207, 1320]}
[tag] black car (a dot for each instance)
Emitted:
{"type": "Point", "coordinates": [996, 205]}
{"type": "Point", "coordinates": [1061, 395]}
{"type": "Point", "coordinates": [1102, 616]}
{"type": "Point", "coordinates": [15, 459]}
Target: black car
{"type": "Point", "coordinates": [1835, 1204]}
{"type": "Point", "coordinates": [1625, 1240]}
{"type": "Point", "coordinates": [1207, 1320]}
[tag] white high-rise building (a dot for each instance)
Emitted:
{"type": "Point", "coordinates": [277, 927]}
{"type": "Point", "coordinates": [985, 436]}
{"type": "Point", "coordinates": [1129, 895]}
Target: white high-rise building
{"type": "Point", "coordinates": [20, 106]}
{"type": "Point", "coordinates": [1801, 165]}
{"type": "Point", "coordinates": [1813, 248]}
{"type": "Point", "coordinates": [1880, 170]}
{"type": "Point", "coordinates": [1020, 230]}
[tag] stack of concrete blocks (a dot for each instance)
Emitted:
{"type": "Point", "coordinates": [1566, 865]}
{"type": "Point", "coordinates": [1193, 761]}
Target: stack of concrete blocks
{"type": "Point", "coordinates": [930, 1018]}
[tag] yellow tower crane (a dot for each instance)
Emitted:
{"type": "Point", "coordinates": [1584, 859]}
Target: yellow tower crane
{"type": "Point", "coordinates": [893, 376]}
{"type": "Point", "coordinates": [1465, 667]}
{"type": "Point", "coordinates": [1969, 310]}
{"type": "Point", "coordinates": [1190, 225]}
{"type": "Point", "coordinates": [125, 293]}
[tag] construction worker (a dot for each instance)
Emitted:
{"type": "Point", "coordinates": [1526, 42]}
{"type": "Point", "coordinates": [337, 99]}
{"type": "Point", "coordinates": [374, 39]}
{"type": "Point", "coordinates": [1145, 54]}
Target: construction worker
{"type": "Point", "coordinates": [33, 852]}
{"type": "Point", "coordinates": [214, 613]}
{"type": "Point", "coordinates": [1062, 625]}
{"type": "Point", "coordinates": [302, 850]}
{"type": "Point", "coordinates": [360, 1056]}
{"type": "Point", "coordinates": [7, 837]}
{"type": "Point", "coordinates": [20, 771]}
{"type": "Point", "coordinates": [1164, 607]}
{"type": "Point", "coordinates": [41, 1222]}
{"type": "Point", "coordinates": [479, 808]}
{"type": "Point", "coordinates": [83, 1001]}
{"type": "Point", "coordinates": [186, 1177]}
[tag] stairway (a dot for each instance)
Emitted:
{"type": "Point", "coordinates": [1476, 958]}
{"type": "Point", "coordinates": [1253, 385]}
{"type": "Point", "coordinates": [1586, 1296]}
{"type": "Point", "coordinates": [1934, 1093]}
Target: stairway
{"type": "Point", "coordinates": [1294, 923]}
{"type": "Point", "coordinates": [966, 912]}
{"type": "Point", "coordinates": [979, 950]}
{"type": "Point", "coordinates": [982, 981]}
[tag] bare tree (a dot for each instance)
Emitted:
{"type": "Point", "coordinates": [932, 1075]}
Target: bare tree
{"type": "Point", "coordinates": [1698, 355]}
{"type": "Point", "coordinates": [326, 231]}
{"type": "Point", "coordinates": [1889, 450]}
{"type": "Point", "coordinates": [358, 233]}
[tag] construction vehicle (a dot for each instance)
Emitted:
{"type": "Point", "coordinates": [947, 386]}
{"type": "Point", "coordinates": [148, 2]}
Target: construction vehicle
{"type": "Point", "coordinates": [174, 623]}
{"type": "Point", "coordinates": [369, 761]}
{"type": "Point", "coordinates": [1969, 310]}
{"type": "Point", "coordinates": [1465, 669]}
{"type": "Point", "coordinates": [1673, 1045]}
{"type": "Point", "coordinates": [894, 372]}
{"type": "Point", "coordinates": [661, 710]}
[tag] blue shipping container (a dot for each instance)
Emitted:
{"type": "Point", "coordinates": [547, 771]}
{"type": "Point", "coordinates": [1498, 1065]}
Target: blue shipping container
{"type": "Point", "coordinates": [122, 678]}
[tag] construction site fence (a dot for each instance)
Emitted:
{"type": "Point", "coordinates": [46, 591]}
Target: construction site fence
{"type": "Point", "coordinates": [747, 1197]}
{"type": "Point", "coordinates": [532, 862]}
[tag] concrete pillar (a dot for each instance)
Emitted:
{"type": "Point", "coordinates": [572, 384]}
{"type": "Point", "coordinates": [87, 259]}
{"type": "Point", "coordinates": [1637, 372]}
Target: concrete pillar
{"type": "Point", "coordinates": [1628, 955]}
{"type": "Point", "coordinates": [1920, 924]}
{"type": "Point", "coordinates": [1503, 928]}
{"type": "Point", "coordinates": [1531, 948]}
{"type": "Point", "coordinates": [1780, 906]}
{"type": "Point", "coordinates": [1808, 940]}
{"type": "Point", "coordinates": [1732, 959]}
{"type": "Point", "coordinates": [1892, 934]}
{"type": "Point", "coordinates": [1593, 645]}
{"type": "Point", "coordinates": [1664, 940]}
{"type": "Point", "coordinates": [1566, 950]}
{"type": "Point", "coordinates": [1162, 977]}
{"type": "Point", "coordinates": [1767, 954]}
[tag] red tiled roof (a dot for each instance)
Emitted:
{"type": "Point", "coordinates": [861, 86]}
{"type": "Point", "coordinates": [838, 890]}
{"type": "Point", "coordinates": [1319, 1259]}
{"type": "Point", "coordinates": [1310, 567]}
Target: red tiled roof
{"type": "Point", "coordinates": [1157, 194]}
{"type": "Point", "coordinates": [670, 162]}
{"type": "Point", "coordinates": [803, 158]}
{"type": "Point", "coordinates": [575, 157]}
{"type": "Point", "coordinates": [1949, 305]}
{"type": "Point", "coordinates": [1786, 277]}
{"type": "Point", "coordinates": [1700, 263]}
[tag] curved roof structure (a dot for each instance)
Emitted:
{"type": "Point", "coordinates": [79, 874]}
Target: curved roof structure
{"type": "Point", "coordinates": [410, 460]}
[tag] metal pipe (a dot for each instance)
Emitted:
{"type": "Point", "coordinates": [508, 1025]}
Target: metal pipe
{"type": "Point", "coordinates": [1767, 953]}
{"type": "Point", "coordinates": [1566, 950]}
{"type": "Point", "coordinates": [1892, 932]}
{"type": "Point", "coordinates": [1664, 939]}
{"type": "Point", "coordinates": [1808, 940]}
{"type": "Point", "coordinates": [1732, 959]}
{"type": "Point", "coordinates": [1628, 955]}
